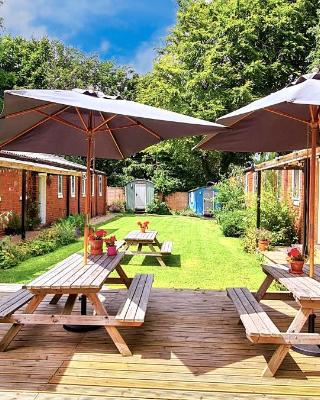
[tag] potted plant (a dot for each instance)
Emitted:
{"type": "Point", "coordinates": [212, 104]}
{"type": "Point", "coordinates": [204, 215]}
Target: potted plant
{"type": "Point", "coordinates": [143, 226]}
{"type": "Point", "coordinates": [296, 260]}
{"type": "Point", "coordinates": [111, 246]}
{"type": "Point", "coordinates": [264, 237]}
{"type": "Point", "coordinates": [96, 238]}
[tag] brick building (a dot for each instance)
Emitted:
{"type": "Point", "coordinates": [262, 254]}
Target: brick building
{"type": "Point", "coordinates": [55, 187]}
{"type": "Point", "coordinates": [289, 177]}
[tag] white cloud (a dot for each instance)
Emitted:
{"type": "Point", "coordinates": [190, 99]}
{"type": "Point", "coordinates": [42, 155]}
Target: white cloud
{"type": "Point", "coordinates": [30, 18]}
{"type": "Point", "coordinates": [143, 58]}
{"type": "Point", "coordinates": [104, 46]}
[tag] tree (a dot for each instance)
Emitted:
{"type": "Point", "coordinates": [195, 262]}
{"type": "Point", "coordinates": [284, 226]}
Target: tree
{"type": "Point", "coordinates": [221, 55]}
{"type": "Point", "coordinates": [49, 64]}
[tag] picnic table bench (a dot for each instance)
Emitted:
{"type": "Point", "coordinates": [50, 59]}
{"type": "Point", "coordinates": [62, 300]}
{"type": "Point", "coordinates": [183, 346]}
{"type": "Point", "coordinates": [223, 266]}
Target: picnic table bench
{"type": "Point", "coordinates": [260, 328]}
{"type": "Point", "coordinates": [70, 277]}
{"type": "Point", "coordinates": [149, 239]}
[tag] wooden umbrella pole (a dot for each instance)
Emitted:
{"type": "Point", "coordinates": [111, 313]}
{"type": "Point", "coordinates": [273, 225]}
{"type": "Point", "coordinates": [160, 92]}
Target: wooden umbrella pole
{"type": "Point", "coordinates": [312, 193]}
{"type": "Point", "coordinates": [87, 209]}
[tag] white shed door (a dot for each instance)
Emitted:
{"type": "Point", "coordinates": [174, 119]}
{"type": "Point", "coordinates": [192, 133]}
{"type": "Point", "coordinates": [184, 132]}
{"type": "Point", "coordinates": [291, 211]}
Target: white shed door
{"type": "Point", "coordinates": [141, 196]}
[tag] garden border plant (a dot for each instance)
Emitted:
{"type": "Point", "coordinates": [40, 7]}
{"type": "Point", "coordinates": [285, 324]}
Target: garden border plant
{"type": "Point", "coordinates": [63, 232]}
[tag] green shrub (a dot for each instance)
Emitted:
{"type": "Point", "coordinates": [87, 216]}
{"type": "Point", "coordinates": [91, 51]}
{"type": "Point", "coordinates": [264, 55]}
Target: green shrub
{"type": "Point", "coordinates": [187, 212]}
{"type": "Point", "coordinates": [13, 226]}
{"type": "Point", "coordinates": [233, 223]}
{"type": "Point", "coordinates": [117, 207]}
{"type": "Point", "coordinates": [249, 240]}
{"type": "Point", "coordinates": [278, 218]}
{"type": "Point", "coordinates": [158, 207]}
{"type": "Point", "coordinates": [63, 232]}
{"type": "Point", "coordinates": [230, 195]}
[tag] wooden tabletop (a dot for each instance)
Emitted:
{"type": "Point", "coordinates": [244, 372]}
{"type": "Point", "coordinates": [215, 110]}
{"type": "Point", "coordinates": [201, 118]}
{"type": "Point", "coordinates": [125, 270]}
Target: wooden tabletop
{"type": "Point", "coordinates": [301, 286]}
{"type": "Point", "coordinates": [70, 275]}
{"type": "Point", "coordinates": [138, 236]}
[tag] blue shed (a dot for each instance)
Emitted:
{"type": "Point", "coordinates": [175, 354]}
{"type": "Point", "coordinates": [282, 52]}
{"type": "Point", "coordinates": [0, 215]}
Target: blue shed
{"type": "Point", "coordinates": [202, 200]}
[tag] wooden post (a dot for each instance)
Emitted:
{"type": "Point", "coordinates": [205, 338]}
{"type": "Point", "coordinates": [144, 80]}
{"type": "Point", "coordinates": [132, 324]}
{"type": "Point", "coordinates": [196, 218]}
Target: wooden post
{"type": "Point", "coordinates": [313, 159]}
{"type": "Point", "coordinates": [68, 196]}
{"type": "Point", "coordinates": [79, 193]}
{"type": "Point", "coordinates": [259, 200]}
{"type": "Point", "coordinates": [306, 177]}
{"type": "Point", "coordinates": [23, 203]}
{"type": "Point", "coordinates": [87, 209]}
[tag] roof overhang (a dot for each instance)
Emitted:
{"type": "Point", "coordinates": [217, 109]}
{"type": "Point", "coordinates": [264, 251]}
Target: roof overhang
{"type": "Point", "coordinates": [36, 167]}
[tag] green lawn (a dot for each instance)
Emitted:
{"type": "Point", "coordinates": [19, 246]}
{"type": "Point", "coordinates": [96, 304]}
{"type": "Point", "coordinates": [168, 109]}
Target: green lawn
{"type": "Point", "coordinates": [202, 257]}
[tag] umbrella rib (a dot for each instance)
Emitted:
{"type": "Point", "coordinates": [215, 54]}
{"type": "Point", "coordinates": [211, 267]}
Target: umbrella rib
{"type": "Point", "coordinates": [286, 115]}
{"type": "Point", "coordinates": [112, 136]}
{"type": "Point", "coordinates": [17, 113]}
{"type": "Point", "coordinates": [144, 127]}
{"type": "Point", "coordinates": [32, 127]}
{"type": "Point", "coordinates": [61, 120]}
{"type": "Point", "coordinates": [81, 119]}
{"type": "Point", "coordinates": [105, 121]}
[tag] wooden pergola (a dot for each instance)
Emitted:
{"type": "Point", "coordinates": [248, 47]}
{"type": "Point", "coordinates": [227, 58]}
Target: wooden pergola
{"type": "Point", "coordinates": [24, 166]}
{"type": "Point", "coordinates": [298, 160]}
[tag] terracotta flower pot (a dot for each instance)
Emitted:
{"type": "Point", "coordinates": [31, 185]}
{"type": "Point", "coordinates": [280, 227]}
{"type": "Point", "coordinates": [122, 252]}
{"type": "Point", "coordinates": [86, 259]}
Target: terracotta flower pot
{"type": "Point", "coordinates": [112, 251]}
{"type": "Point", "coordinates": [96, 247]}
{"type": "Point", "coordinates": [263, 245]}
{"type": "Point", "coordinates": [296, 267]}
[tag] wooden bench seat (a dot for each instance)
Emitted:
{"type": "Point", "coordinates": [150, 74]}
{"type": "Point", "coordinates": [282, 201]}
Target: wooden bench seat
{"type": "Point", "coordinates": [15, 301]}
{"type": "Point", "coordinates": [166, 247]}
{"type": "Point", "coordinates": [134, 308]}
{"type": "Point", "coordinates": [260, 328]}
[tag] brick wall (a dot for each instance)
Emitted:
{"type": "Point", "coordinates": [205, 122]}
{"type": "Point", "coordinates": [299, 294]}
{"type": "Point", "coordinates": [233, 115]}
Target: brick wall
{"type": "Point", "coordinates": [56, 207]}
{"type": "Point", "coordinates": [115, 194]}
{"type": "Point", "coordinates": [177, 200]}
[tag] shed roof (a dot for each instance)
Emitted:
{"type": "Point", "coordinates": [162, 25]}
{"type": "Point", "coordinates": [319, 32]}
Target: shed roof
{"type": "Point", "coordinates": [139, 180]}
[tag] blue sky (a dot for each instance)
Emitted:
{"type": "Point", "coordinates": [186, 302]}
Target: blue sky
{"type": "Point", "coordinates": [127, 31]}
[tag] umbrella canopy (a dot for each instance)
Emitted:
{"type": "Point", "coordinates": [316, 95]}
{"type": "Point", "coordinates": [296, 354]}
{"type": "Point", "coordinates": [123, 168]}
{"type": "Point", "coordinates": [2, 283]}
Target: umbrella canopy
{"type": "Point", "coordinates": [88, 123]}
{"type": "Point", "coordinates": [51, 121]}
{"type": "Point", "coordinates": [283, 121]}
{"type": "Point", "coordinates": [278, 122]}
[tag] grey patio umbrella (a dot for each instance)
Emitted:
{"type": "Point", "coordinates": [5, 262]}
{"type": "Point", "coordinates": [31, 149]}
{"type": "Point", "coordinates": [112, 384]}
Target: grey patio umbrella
{"type": "Point", "coordinates": [88, 123]}
{"type": "Point", "coordinates": [285, 120]}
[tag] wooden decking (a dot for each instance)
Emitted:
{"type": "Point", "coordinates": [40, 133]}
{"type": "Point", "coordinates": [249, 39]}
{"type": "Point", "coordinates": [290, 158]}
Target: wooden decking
{"type": "Point", "coordinates": [190, 347]}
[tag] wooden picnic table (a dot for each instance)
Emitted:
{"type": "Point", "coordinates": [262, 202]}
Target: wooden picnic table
{"type": "Point", "coordinates": [70, 277]}
{"type": "Point", "coordinates": [147, 239]}
{"type": "Point", "coordinates": [305, 290]}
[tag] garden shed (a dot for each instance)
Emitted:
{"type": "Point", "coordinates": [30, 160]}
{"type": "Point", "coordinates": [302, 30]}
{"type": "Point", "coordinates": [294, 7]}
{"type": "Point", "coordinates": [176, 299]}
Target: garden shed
{"type": "Point", "coordinates": [201, 200]}
{"type": "Point", "coordinates": [139, 193]}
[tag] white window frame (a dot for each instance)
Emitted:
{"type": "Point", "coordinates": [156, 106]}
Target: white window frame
{"type": "Point", "coordinates": [92, 185]}
{"type": "Point", "coordinates": [72, 186]}
{"type": "Point", "coordinates": [246, 182]}
{"type": "Point", "coordinates": [60, 186]}
{"type": "Point", "coordinates": [296, 198]}
{"type": "Point", "coordinates": [83, 185]}
{"type": "Point", "coordinates": [100, 185]}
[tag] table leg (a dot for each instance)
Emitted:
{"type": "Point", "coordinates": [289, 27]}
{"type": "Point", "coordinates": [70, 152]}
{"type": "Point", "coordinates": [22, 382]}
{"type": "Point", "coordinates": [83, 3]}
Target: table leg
{"type": "Point", "coordinates": [159, 257]}
{"type": "Point", "coordinates": [111, 330]}
{"type": "Point", "coordinates": [55, 299]}
{"type": "Point", "coordinates": [123, 276]}
{"type": "Point", "coordinates": [15, 328]}
{"type": "Point", "coordinates": [279, 355]}
{"type": "Point", "coordinates": [264, 287]}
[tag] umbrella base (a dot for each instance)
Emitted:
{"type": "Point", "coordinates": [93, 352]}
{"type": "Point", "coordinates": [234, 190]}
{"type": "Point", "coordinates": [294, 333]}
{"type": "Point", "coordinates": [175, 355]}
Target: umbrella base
{"type": "Point", "coordinates": [81, 328]}
{"type": "Point", "coordinates": [307, 349]}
